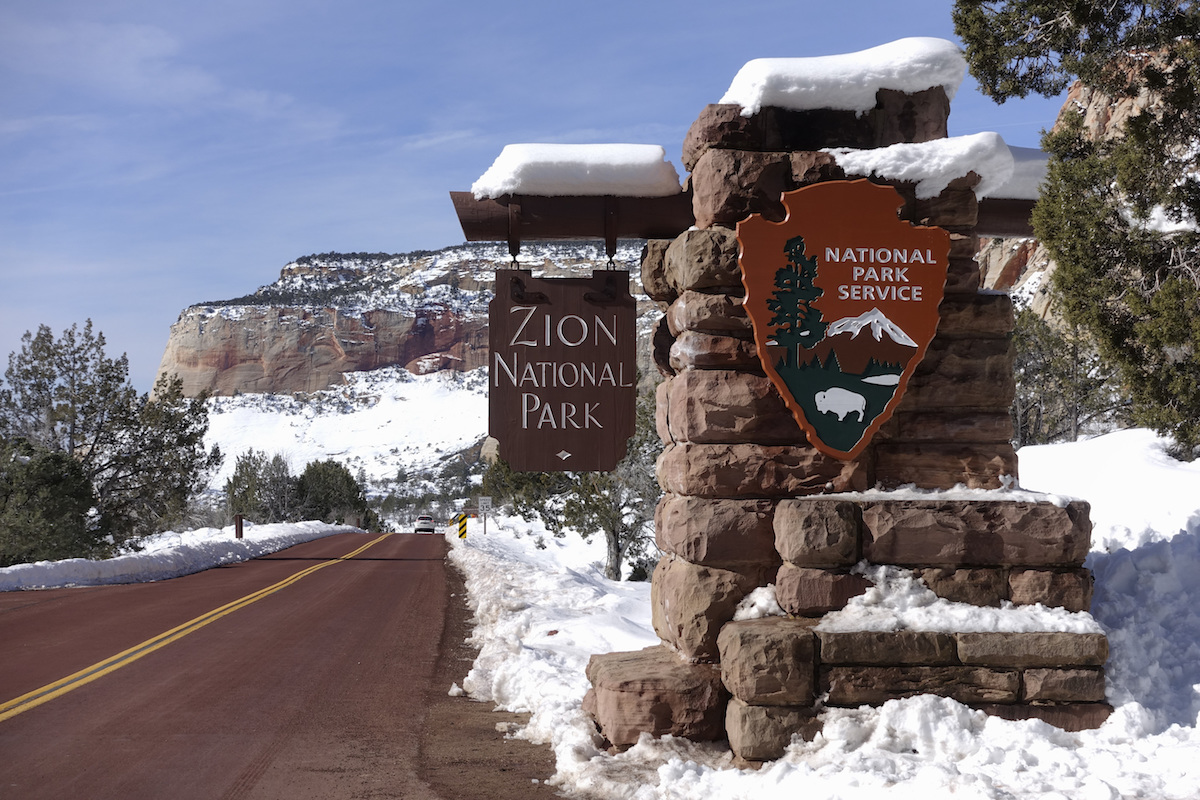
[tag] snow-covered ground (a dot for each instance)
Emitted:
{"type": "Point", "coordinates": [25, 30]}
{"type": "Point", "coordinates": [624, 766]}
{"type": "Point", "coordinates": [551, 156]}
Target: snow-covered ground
{"type": "Point", "coordinates": [542, 607]}
{"type": "Point", "coordinates": [380, 422]}
{"type": "Point", "coordinates": [540, 614]}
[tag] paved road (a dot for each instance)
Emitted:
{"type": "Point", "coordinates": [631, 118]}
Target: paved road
{"type": "Point", "coordinates": [317, 689]}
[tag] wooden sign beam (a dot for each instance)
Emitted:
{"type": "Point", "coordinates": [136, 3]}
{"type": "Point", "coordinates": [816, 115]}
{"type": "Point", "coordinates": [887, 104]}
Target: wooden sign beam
{"type": "Point", "coordinates": [525, 218]}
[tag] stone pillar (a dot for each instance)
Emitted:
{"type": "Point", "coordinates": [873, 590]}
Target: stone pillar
{"type": "Point", "coordinates": [748, 502]}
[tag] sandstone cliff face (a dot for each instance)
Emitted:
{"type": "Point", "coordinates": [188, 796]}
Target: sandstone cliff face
{"type": "Point", "coordinates": [289, 349]}
{"type": "Point", "coordinates": [1021, 267]}
{"type": "Point", "coordinates": [334, 314]}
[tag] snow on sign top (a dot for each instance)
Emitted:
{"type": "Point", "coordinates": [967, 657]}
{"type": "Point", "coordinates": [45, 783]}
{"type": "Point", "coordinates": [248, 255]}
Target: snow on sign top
{"type": "Point", "coordinates": [848, 82]}
{"type": "Point", "coordinates": [1029, 170]}
{"type": "Point", "coordinates": [556, 170]}
{"type": "Point", "coordinates": [932, 165]}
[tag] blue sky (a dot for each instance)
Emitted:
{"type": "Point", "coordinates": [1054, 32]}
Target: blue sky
{"type": "Point", "coordinates": [158, 154]}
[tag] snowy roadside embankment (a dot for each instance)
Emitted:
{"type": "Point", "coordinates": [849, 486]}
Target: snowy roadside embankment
{"type": "Point", "coordinates": [167, 555]}
{"type": "Point", "coordinates": [541, 613]}
{"type": "Point", "coordinates": [541, 607]}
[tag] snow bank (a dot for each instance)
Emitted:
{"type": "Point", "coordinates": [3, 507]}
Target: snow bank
{"type": "Point", "coordinates": [848, 82]}
{"type": "Point", "coordinates": [1146, 561]}
{"type": "Point", "coordinates": [541, 613]}
{"type": "Point", "coordinates": [167, 555]}
{"type": "Point", "coordinates": [1138, 493]}
{"type": "Point", "coordinates": [554, 170]}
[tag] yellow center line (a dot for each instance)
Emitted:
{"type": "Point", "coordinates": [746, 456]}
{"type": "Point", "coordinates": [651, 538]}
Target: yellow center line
{"type": "Point", "coordinates": [99, 669]}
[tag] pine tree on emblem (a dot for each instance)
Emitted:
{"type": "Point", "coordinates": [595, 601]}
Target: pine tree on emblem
{"type": "Point", "coordinates": [796, 322]}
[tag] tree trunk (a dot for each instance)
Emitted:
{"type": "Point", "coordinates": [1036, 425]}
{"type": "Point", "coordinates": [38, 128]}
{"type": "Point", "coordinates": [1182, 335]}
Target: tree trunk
{"type": "Point", "coordinates": [612, 564]}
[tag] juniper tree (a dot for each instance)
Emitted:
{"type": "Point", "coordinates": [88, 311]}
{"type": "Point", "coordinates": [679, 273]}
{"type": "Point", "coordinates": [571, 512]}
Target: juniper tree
{"type": "Point", "coordinates": [1117, 213]}
{"type": "Point", "coordinates": [1063, 388]}
{"type": "Point", "coordinates": [619, 504]}
{"type": "Point", "coordinates": [142, 455]}
{"type": "Point", "coordinates": [262, 488]}
{"type": "Point", "coordinates": [45, 500]}
{"type": "Point", "coordinates": [328, 491]}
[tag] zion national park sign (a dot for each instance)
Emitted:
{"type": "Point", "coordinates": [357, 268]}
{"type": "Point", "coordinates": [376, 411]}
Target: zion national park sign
{"type": "Point", "coordinates": [844, 298]}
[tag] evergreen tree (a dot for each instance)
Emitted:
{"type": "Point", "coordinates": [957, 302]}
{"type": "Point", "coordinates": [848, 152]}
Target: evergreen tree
{"type": "Point", "coordinates": [619, 504]}
{"type": "Point", "coordinates": [530, 494]}
{"type": "Point", "coordinates": [142, 455]}
{"type": "Point", "coordinates": [243, 489]}
{"type": "Point", "coordinates": [45, 500]}
{"type": "Point", "coordinates": [279, 492]}
{"type": "Point", "coordinates": [1063, 387]}
{"type": "Point", "coordinates": [796, 321]}
{"type": "Point", "coordinates": [1117, 215]}
{"type": "Point", "coordinates": [328, 491]}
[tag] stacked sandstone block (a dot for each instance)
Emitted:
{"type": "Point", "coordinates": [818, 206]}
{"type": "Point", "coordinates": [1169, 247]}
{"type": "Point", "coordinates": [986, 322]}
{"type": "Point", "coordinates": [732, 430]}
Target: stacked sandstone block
{"type": "Point", "coordinates": [775, 667]}
{"type": "Point", "coordinates": [749, 503]}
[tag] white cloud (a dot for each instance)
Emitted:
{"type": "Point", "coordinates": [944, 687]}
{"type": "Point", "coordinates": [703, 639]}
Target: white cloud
{"type": "Point", "coordinates": [135, 64]}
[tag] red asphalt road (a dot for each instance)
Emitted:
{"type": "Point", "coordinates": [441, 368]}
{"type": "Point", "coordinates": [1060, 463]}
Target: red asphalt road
{"type": "Point", "coordinates": [315, 691]}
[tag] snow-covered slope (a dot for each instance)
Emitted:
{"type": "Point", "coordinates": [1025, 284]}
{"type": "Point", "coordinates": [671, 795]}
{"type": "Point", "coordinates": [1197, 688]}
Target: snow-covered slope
{"type": "Point", "coordinates": [379, 422]}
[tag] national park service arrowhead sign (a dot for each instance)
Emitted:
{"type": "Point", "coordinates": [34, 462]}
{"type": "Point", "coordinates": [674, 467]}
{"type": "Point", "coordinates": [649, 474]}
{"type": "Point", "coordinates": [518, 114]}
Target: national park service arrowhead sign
{"type": "Point", "coordinates": [844, 298]}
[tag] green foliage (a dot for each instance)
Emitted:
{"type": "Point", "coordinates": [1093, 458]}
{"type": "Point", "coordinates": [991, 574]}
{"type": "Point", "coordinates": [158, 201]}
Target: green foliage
{"type": "Point", "coordinates": [1130, 282]}
{"type": "Point", "coordinates": [44, 503]}
{"type": "Point", "coordinates": [159, 463]}
{"type": "Point", "coordinates": [143, 456]}
{"type": "Point", "coordinates": [1019, 46]}
{"type": "Point", "coordinates": [329, 491]}
{"type": "Point", "coordinates": [530, 494]}
{"type": "Point", "coordinates": [262, 488]}
{"type": "Point", "coordinates": [1064, 388]}
{"type": "Point", "coordinates": [619, 504]}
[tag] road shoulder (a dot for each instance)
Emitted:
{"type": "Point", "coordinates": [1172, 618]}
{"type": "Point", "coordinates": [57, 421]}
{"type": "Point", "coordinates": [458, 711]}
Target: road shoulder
{"type": "Point", "coordinates": [464, 753]}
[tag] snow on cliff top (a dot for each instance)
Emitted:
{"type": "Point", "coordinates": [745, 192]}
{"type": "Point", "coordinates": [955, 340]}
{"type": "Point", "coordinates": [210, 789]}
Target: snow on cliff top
{"type": "Point", "coordinates": [555, 170]}
{"type": "Point", "coordinates": [848, 82]}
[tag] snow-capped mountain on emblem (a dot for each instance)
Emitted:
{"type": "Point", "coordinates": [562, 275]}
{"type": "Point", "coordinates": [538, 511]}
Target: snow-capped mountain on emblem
{"type": "Point", "coordinates": [877, 321]}
{"type": "Point", "coordinates": [842, 254]}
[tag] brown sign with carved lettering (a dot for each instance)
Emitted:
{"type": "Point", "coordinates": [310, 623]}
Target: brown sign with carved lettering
{"type": "Point", "coordinates": [844, 298]}
{"type": "Point", "coordinates": [562, 382]}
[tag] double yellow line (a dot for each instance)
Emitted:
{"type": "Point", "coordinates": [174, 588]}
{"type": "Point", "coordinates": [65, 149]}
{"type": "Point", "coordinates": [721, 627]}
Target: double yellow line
{"type": "Point", "coordinates": [102, 668]}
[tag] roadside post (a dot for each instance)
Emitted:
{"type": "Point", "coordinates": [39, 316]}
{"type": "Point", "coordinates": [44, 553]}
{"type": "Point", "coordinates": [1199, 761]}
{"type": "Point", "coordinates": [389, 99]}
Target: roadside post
{"type": "Point", "coordinates": [485, 506]}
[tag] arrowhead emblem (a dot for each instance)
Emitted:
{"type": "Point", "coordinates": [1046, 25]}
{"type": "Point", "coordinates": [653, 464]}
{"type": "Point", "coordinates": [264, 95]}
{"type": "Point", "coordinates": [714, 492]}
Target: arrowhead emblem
{"type": "Point", "coordinates": [844, 297]}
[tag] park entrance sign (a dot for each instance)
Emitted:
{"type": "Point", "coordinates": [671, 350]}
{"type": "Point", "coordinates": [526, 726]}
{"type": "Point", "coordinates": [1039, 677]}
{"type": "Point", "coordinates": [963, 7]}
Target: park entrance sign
{"type": "Point", "coordinates": [844, 297]}
{"type": "Point", "coordinates": [562, 384]}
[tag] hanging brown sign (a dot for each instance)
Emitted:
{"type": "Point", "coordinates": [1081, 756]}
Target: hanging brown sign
{"type": "Point", "coordinates": [844, 298]}
{"type": "Point", "coordinates": [562, 383]}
